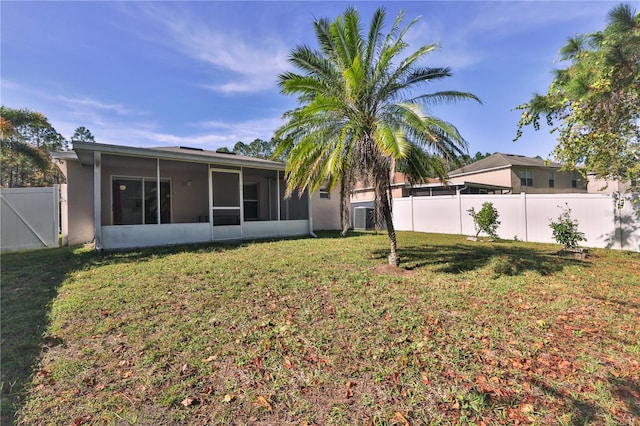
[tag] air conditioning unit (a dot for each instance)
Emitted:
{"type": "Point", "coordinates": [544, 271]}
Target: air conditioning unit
{"type": "Point", "coordinates": [362, 218]}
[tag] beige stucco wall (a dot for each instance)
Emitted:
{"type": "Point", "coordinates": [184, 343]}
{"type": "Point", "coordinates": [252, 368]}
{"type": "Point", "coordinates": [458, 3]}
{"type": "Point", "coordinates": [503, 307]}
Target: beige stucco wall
{"type": "Point", "coordinates": [366, 195]}
{"type": "Point", "coordinates": [510, 177]}
{"type": "Point", "coordinates": [189, 190]}
{"type": "Point", "coordinates": [326, 211]}
{"type": "Point", "coordinates": [602, 186]}
{"type": "Point", "coordinates": [501, 177]}
{"type": "Point", "coordinates": [541, 182]}
{"type": "Point", "coordinates": [397, 191]}
{"type": "Point", "coordinates": [77, 203]}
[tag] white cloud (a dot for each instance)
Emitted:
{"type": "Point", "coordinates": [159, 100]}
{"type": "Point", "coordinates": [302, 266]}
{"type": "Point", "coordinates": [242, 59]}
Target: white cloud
{"type": "Point", "coordinates": [84, 103]}
{"type": "Point", "coordinates": [248, 64]}
{"type": "Point", "coordinates": [114, 123]}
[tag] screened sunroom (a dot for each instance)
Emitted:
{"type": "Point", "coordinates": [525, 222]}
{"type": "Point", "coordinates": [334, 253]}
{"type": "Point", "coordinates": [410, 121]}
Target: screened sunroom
{"type": "Point", "coordinates": [160, 196]}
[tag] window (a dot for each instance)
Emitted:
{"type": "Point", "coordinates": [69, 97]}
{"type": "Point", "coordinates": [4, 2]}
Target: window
{"type": "Point", "coordinates": [574, 179]}
{"type": "Point", "coordinates": [552, 179]}
{"type": "Point", "coordinates": [526, 177]}
{"type": "Point", "coordinates": [250, 201]}
{"type": "Point", "coordinates": [135, 201]}
{"type": "Point", "coordinates": [325, 194]}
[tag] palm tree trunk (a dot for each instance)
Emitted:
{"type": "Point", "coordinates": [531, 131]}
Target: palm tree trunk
{"type": "Point", "coordinates": [344, 208]}
{"type": "Point", "coordinates": [394, 259]}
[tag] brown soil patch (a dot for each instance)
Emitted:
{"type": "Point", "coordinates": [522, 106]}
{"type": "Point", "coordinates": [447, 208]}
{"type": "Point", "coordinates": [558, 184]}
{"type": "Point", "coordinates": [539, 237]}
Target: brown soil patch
{"type": "Point", "coordinates": [393, 270]}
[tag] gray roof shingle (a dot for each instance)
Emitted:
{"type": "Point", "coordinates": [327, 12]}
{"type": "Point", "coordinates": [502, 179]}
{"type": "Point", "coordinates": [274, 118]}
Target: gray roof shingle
{"type": "Point", "coordinates": [500, 160]}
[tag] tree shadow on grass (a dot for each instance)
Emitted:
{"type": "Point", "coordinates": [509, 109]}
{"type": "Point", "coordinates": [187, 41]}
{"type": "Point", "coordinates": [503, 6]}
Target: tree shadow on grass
{"type": "Point", "coordinates": [586, 411]}
{"type": "Point", "coordinates": [30, 282]}
{"type": "Point", "coordinates": [333, 235]}
{"type": "Point", "coordinates": [581, 412]}
{"type": "Point", "coordinates": [505, 259]}
{"type": "Point", "coordinates": [628, 391]}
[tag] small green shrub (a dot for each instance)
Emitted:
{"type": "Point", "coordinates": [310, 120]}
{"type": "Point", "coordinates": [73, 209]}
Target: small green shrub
{"type": "Point", "coordinates": [565, 230]}
{"type": "Point", "coordinates": [486, 220]}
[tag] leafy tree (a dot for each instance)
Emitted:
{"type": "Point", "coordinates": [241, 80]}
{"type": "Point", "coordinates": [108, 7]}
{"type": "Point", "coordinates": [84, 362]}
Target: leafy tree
{"type": "Point", "coordinates": [594, 103]}
{"type": "Point", "coordinates": [359, 116]}
{"type": "Point", "coordinates": [82, 134]}
{"type": "Point", "coordinates": [479, 156]}
{"type": "Point", "coordinates": [486, 220]}
{"type": "Point", "coordinates": [26, 143]}
{"type": "Point", "coordinates": [467, 159]}
{"type": "Point", "coordinates": [259, 149]}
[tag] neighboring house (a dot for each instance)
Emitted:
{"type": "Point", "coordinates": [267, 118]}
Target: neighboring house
{"type": "Point", "coordinates": [604, 186]}
{"type": "Point", "coordinates": [122, 197]}
{"type": "Point", "coordinates": [521, 174]}
{"type": "Point", "coordinates": [496, 174]}
{"type": "Point", "coordinates": [362, 192]}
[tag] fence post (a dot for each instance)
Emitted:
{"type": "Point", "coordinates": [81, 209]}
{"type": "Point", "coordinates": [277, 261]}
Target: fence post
{"type": "Point", "coordinates": [459, 194]}
{"type": "Point", "coordinates": [412, 213]}
{"type": "Point", "coordinates": [523, 204]}
{"type": "Point", "coordinates": [56, 213]}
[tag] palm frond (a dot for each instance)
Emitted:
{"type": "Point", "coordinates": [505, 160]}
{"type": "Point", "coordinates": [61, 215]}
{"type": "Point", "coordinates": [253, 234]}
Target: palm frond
{"type": "Point", "coordinates": [447, 96]}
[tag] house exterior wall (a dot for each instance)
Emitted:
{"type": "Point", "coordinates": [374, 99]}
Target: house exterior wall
{"type": "Point", "coordinates": [603, 186]}
{"type": "Point", "coordinates": [189, 190]}
{"type": "Point", "coordinates": [326, 211]}
{"type": "Point", "coordinates": [510, 177]}
{"type": "Point", "coordinates": [562, 181]}
{"type": "Point", "coordinates": [500, 177]}
{"type": "Point", "coordinates": [77, 203]}
{"type": "Point", "coordinates": [367, 194]}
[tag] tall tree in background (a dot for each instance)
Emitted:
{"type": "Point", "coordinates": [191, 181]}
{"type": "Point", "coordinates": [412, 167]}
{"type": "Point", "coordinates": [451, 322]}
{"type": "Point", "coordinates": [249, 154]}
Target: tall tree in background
{"type": "Point", "coordinates": [358, 117]}
{"type": "Point", "coordinates": [594, 103]}
{"type": "Point", "coordinates": [467, 159]}
{"type": "Point", "coordinates": [82, 134]}
{"type": "Point", "coordinates": [259, 149]}
{"type": "Point", "coordinates": [26, 143]}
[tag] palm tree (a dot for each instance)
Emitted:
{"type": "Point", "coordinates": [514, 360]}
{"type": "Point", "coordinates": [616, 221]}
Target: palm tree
{"type": "Point", "coordinates": [358, 117]}
{"type": "Point", "coordinates": [26, 137]}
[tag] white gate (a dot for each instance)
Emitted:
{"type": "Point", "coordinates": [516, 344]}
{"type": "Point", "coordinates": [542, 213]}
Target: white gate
{"type": "Point", "coordinates": [29, 218]}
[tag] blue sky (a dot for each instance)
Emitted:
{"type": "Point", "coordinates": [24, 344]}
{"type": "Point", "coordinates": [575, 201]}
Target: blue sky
{"type": "Point", "coordinates": [204, 74]}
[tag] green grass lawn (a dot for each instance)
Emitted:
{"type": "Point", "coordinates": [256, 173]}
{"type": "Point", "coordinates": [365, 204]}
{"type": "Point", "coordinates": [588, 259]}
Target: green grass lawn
{"type": "Point", "coordinates": [317, 331]}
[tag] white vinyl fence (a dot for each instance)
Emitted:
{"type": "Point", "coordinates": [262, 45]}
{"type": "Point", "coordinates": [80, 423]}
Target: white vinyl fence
{"type": "Point", "coordinates": [608, 221]}
{"type": "Point", "coordinates": [29, 218]}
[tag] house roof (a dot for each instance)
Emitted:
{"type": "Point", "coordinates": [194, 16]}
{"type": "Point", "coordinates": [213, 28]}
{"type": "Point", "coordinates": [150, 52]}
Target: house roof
{"type": "Point", "coordinates": [501, 161]}
{"type": "Point", "coordinates": [85, 150]}
{"type": "Point", "coordinates": [462, 183]}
